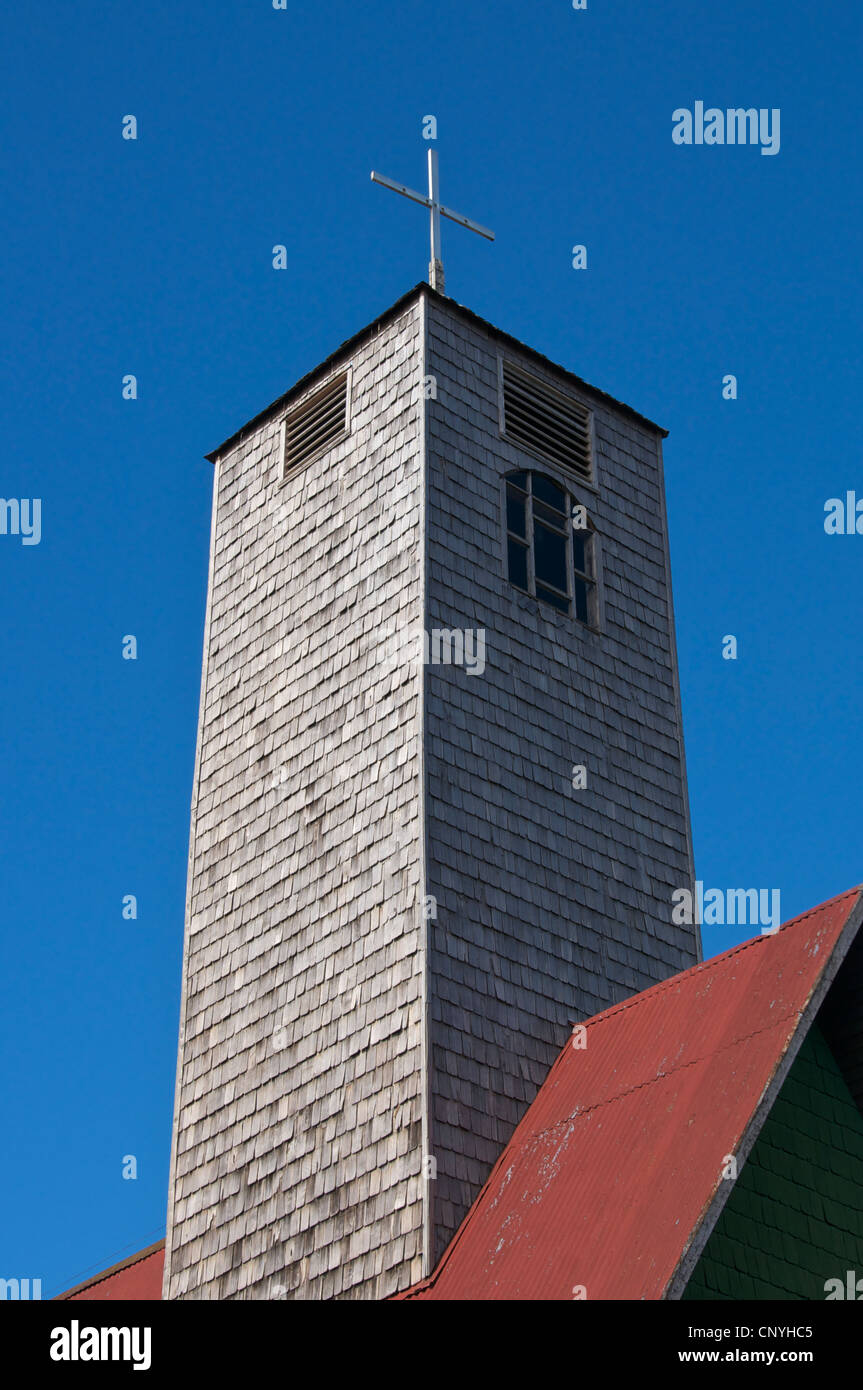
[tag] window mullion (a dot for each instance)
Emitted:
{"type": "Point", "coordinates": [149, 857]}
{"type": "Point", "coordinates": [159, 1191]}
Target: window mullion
{"type": "Point", "coordinates": [531, 568]}
{"type": "Point", "coordinates": [570, 557]}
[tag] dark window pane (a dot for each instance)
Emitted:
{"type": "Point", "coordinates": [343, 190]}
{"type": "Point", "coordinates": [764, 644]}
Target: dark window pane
{"type": "Point", "coordinates": [549, 556]}
{"type": "Point", "coordinates": [556, 600]}
{"type": "Point", "coordinates": [581, 551]}
{"type": "Point", "coordinates": [515, 518]}
{"type": "Point", "coordinates": [549, 492]}
{"type": "Point", "coordinates": [517, 555]}
{"type": "Point", "coordinates": [581, 591]}
{"type": "Point", "coordinates": [549, 514]}
{"type": "Point", "coordinates": [518, 480]}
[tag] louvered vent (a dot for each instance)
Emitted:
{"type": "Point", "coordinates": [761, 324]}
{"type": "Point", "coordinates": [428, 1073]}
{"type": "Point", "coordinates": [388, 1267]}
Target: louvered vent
{"type": "Point", "coordinates": [553, 426]}
{"type": "Point", "coordinates": [316, 425]}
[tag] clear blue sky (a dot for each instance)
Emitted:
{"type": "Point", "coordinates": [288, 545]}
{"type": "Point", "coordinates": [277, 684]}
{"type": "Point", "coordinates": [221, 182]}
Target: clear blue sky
{"type": "Point", "coordinates": [153, 257]}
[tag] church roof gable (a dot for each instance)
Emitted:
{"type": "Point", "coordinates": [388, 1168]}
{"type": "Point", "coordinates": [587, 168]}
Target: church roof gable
{"type": "Point", "coordinates": [613, 1180]}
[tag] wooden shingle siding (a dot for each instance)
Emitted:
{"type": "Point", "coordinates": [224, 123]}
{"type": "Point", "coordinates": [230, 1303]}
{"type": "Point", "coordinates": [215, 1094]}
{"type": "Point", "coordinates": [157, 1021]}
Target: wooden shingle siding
{"type": "Point", "coordinates": [552, 903]}
{"type": "Point", "coordinates": [794, 1219]}
{"type": "Point", "coordinates": [297, 1165]}
{"type": "Point", "coordinates": [325, 1052]}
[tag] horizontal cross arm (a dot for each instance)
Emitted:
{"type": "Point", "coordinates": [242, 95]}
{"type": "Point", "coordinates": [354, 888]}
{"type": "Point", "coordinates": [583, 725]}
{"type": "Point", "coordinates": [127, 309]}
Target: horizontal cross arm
{"type": "Point", "coordinates": [466, 222]}
{"type": "Point", "coordinates": [401, 188]}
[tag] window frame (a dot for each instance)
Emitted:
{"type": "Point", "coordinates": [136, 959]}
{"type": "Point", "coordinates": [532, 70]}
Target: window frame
{"type": "Point", "coordinates": [593, 622]}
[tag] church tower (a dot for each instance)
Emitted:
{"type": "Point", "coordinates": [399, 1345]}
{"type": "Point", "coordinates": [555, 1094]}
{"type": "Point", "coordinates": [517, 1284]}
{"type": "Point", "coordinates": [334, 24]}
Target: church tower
{"type": "Point", "coordinates": [440, 803]}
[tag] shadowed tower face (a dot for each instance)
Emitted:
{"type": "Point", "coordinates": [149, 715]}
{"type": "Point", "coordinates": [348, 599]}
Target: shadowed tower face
{"type": "Point", "coordinates": [440, 800]}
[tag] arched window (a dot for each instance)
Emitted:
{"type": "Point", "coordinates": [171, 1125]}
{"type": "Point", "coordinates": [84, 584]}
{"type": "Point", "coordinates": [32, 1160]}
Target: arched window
{"type": "Point", "coordinates": [550, 545]}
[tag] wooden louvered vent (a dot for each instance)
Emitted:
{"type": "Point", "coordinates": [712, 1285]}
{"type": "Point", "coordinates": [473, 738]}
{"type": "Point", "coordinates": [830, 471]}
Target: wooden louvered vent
{"type": "Point", "coordinates": [553, 426]}
{"type": "Point", "coordinates": [316, 425]}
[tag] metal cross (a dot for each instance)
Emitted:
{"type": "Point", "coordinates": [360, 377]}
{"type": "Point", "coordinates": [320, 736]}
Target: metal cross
{"type": "Point", "coordinates": [437, 209]}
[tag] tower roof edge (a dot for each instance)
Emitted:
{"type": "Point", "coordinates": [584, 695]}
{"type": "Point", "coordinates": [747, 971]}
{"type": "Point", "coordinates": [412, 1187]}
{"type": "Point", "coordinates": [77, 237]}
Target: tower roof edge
{"type": "Point", "coordinates": [350, 345]}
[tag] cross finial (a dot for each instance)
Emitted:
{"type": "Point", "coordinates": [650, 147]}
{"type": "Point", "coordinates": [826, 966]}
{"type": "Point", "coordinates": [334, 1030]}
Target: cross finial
{"type": "Point", "coordinates": [437, 211]}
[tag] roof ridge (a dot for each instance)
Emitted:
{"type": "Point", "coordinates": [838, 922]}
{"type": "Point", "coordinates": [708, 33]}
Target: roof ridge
{"type": "Point", "coordinates": [118, 1268]}
{"type": "Point", "coordinates": [635, 999]}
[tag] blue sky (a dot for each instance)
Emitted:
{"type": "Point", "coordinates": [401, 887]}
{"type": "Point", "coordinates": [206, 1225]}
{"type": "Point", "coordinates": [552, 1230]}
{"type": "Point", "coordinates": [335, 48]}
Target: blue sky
{"type": "Point", "coordinates": [154, 257]}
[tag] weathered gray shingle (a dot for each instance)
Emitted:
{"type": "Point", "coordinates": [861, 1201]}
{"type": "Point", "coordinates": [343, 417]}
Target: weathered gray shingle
{"type": "Point", "coordinates": [552, 903]}
{"type": "Point", "coordinates": [339, 784]}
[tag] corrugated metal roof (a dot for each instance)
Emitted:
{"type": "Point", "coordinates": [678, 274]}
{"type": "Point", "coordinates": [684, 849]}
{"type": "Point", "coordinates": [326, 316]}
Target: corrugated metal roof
{"type": "Point", "coordinates": [618, 1161]}
{"type": "Point", "coordinates": [347, 348]}
{"type": "Point", "coordinates": [139, 1278]}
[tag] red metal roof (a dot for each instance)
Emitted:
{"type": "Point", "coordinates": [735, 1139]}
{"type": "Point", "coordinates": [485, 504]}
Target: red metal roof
{"type": "Point", "coordinates": [139, 1278]}
{"type": "Point", "coordinates": [617, 1161]}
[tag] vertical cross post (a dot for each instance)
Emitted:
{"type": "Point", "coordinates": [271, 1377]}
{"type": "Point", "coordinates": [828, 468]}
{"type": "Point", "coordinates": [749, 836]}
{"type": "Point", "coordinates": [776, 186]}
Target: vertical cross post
{"type": "Point", "coordinates": [437, 211]}
{"type": "Point", "coordinates": [436, 277]}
